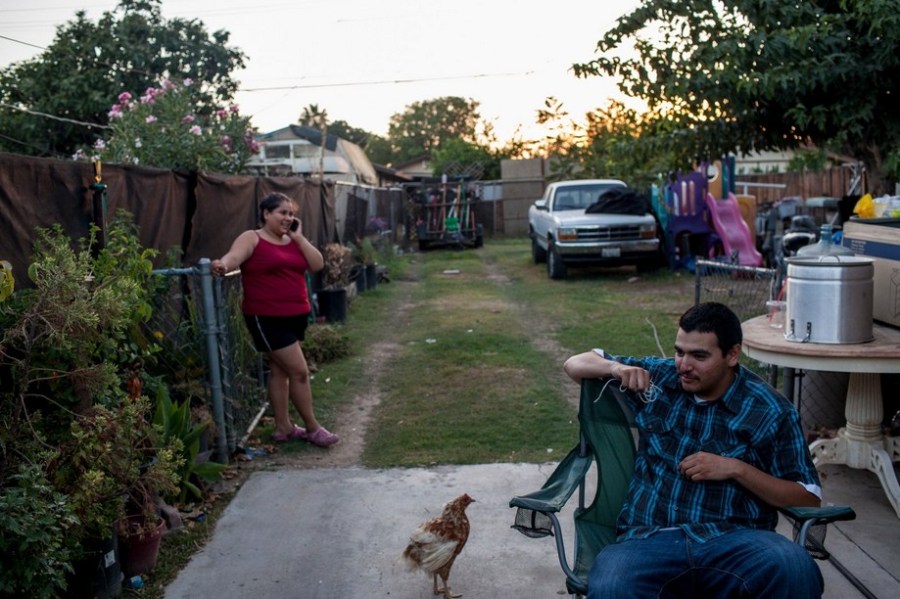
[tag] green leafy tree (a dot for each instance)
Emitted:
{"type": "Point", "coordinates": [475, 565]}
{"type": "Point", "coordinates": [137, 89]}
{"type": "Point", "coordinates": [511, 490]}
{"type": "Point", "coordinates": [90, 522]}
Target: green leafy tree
{"type": "Point", "coordinates": [458, 158]}
{"type": "Point", "coordinates": [345, 130]}
{"type": "Point", "coordinates": [623, 143]}
{"type": "Point", "coordinates": [423, 126]}
{"type": "Point", "coordinates": [165, 129]}
{"type": "Point", "coordinates": [808, 160]}
{"type": "Point", "coordinates": [129, 48]}
{"type": "Point", "coordinates": [377, 147]}
{"type": "Point", "coordinates": [747, 75]}
{"type": "Point", "coordinates": [564, 141]}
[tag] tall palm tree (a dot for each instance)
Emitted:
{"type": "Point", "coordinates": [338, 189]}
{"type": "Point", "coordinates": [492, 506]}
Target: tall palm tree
{"type": "Point", "coordinates": [313, 116]}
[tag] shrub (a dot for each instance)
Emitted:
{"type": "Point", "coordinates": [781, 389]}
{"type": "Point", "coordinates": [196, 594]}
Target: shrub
{"type": "Point", "coordinates": [325, 343]}
{"type": "Point", "coordinates": [35, 545]}
{"type": "Point", "coordinates": [164, 128]}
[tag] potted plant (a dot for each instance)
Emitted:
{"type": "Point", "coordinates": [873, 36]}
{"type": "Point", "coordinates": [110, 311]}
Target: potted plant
{"type": "Point", "coordinates": [68, 350]}
{"type": "Point", "coordinates": [175, 423]}
{"type": "Point", "coordinates": [332, 297]}
{"type": "Point", "coordinates": [141, 526]}
{"type": "Point", "coordinates": [364, 252]}
{"type": "Point", "coordinates": [119, 468]}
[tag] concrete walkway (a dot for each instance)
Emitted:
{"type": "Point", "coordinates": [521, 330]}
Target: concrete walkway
{"type": "Point", "coordinates": [338, 533]}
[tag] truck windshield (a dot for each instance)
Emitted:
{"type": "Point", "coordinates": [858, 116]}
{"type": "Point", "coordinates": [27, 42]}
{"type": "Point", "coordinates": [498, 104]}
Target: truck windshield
{"type": "Point", "coordinates": [579, 197]}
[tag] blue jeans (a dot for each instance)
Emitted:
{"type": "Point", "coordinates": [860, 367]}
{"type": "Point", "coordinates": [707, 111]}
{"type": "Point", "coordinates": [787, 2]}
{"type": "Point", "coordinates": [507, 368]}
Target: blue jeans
{"type": "Point", "coordinates": [749, 564]}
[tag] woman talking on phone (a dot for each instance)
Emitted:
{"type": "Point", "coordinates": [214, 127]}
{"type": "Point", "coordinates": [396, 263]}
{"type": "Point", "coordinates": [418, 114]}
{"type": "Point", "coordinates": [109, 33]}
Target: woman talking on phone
{"type": "Point", "coordinates": [273, 260]}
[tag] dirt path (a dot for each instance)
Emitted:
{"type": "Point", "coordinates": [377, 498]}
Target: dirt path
{"type": "Point", "coordinates": [353, 421]}
{"type": "Point", "coordinates": [542, 332]}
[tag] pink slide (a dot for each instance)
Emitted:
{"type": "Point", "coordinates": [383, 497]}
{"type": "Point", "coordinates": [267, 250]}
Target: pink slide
{"type": "Point", "coordinates": [734, 232]}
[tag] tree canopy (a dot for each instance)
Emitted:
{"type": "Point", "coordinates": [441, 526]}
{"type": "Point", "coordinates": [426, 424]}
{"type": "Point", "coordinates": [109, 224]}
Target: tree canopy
{"type": "Point", "coordinates": [88, 65]}
{"type": "Point", "coordinates": [423, 126]}
{"type": "Point", "coordinates": [721, 76]}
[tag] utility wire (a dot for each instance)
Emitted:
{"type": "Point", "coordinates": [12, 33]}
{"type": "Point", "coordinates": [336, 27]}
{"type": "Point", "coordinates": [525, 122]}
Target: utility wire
{"type": "Point", "coordinates": [21, 42]}
{"type": "Point", "coordinates": [56, 118]}
{"type": "Point", "coordinates": [385, 81]}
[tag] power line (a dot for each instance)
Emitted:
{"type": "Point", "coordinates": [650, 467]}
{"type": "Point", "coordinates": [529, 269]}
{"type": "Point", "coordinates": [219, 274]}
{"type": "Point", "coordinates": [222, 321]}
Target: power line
{"type": "Point", "coordinates": [56, 118]}
{"type": "Point", "coordinates": [21, 42]}
{"type": "Point", "coordinates": [385, 81]}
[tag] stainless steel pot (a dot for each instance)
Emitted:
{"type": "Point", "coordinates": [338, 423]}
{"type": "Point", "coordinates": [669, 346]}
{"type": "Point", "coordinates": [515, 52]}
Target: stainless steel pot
{"type": "Point", "coordinates": [829, 299]}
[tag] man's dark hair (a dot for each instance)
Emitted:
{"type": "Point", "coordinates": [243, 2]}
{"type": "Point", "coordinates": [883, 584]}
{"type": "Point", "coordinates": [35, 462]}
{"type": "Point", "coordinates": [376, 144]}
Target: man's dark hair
{"type": "Point", "coordinates": [713, 317]}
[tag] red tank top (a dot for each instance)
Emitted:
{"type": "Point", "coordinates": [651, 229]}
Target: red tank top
{"type": "Point", "coordinates": [274, 280]}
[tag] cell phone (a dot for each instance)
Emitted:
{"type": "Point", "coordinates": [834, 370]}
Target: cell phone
{"type": "Point", "coordinates": [295, 224]}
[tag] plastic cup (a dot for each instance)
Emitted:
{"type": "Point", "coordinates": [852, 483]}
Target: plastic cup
{"type": "Point", "coordinates": [775, 310]}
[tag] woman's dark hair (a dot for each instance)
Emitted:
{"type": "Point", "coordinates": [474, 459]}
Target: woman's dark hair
{"type": "Point", "coordinates": [713, 317]}
{"type": "Point", "coordinates": [271, 202]}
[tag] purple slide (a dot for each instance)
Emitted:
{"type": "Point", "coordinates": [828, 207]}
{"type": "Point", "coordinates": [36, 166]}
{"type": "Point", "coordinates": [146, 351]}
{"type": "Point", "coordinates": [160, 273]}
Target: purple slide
{"type": "Point", "coordinates": [732, 230]}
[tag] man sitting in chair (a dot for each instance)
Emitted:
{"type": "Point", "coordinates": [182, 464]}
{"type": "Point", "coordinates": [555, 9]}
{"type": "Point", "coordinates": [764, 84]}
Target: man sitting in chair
{"type": "Point", "coordinates": [719, 451]}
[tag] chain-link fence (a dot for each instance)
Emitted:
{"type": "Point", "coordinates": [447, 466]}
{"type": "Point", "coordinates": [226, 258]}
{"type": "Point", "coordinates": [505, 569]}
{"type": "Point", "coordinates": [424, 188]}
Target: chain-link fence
{"type": "Point", "coordinates": [207, 357]}
{"type": "Point", "coordinates": [745, 289]}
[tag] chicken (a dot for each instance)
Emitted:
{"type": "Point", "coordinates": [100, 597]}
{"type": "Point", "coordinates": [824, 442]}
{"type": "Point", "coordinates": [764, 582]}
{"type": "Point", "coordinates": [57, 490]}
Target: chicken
{"type": "Point", "coordinates": [435, 544]}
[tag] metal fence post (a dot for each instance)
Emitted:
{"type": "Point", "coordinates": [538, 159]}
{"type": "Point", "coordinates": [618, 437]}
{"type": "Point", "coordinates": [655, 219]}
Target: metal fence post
{"type": "Point", "coordinates": [211, 328]}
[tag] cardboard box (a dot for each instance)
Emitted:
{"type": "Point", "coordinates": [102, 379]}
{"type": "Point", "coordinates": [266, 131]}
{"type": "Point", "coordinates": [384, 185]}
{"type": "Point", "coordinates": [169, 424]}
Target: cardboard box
{"type": "Point", "coordinates": [879, 239]}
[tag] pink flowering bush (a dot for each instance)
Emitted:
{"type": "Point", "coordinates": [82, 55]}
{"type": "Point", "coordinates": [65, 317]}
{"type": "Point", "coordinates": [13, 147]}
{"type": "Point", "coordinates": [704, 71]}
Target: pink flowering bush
{"type": "Point", "coordinates": [164, 128]}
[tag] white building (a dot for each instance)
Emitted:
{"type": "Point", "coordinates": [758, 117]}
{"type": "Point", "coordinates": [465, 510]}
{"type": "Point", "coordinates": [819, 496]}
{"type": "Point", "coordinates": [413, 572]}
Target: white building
{"type": "Point", "coordinates": [297, 150]}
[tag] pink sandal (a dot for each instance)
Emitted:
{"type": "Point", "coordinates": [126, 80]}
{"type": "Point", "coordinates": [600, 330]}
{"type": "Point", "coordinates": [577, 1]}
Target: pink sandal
{"type": "Point", "coordinates": [297, 432]}
{"type": "Point", "coordinates": [322, 437]}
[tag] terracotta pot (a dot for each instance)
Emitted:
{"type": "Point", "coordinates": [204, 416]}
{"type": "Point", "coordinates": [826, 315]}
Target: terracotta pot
{"type": "Point", "coordinates": [138, 551]}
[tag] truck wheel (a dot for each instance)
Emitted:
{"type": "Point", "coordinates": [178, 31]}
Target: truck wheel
{"type": "Point", "coordinates": [538, 254]}
{"type": "Point", "coordinates": [556, 268]}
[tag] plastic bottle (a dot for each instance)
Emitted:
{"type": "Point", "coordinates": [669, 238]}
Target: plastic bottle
{"type": "Point", "coordinates": [824, 247]}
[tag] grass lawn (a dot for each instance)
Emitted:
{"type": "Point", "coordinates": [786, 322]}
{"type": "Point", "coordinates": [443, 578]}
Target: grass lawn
{"type": "Point", "coordinates": [470, 346]}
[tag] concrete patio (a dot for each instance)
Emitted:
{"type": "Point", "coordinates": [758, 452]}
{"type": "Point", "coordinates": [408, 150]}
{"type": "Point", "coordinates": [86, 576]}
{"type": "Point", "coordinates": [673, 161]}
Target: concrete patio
{"type": "Point", "coordinates": [335, 533]}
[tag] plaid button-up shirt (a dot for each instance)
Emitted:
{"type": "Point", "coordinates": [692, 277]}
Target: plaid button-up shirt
{"type": "Point", "coordinates": [752, 423]}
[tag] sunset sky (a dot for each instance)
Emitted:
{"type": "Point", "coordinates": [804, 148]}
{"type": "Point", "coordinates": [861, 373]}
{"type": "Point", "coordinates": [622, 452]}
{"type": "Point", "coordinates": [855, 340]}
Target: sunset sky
{"type": "Point", "coordinates": [363, 61]}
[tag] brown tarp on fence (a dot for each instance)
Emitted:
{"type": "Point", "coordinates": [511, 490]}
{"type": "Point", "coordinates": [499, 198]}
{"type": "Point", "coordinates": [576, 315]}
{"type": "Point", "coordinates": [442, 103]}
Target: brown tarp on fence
{"type": "Point", "coordinates": [199, 213]}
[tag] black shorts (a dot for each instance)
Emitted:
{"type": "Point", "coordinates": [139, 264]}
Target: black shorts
{"type": "Point", "coordinates": [274, 332]}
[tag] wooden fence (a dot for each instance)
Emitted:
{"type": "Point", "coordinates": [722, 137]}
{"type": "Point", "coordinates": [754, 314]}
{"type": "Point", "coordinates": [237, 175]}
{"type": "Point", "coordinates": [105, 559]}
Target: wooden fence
{"type": "Point", "coordinates": [835, 182]}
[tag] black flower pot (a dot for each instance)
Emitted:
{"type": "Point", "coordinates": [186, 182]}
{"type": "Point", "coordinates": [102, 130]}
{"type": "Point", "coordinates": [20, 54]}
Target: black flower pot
{"type": "Point", "coordinates": [98, 574]}
{"type": "Point", "coordinates": [333, 304]}
{"type": "Point", "coordinates": [371, 276]}
{"type": "Point", "coordinates": [358, 276]}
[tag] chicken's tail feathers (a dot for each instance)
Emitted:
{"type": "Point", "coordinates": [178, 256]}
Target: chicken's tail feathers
{"type": "Point", "coordinates": [411, 556]}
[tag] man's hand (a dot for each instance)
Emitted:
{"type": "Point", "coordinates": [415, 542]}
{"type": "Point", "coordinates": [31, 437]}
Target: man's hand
{"type": "Point", "coordinates": [632, 377]}
{"type": "Point", "coordinates": [709, 466]}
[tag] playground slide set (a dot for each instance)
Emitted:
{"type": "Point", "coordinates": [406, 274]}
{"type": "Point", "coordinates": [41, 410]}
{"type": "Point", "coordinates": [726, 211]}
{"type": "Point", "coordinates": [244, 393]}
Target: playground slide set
{"type": "Point", "coordinates": [691, 208]}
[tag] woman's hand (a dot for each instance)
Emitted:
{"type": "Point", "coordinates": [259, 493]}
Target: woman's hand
{"type": "Point", "coordinates": [218, 267]}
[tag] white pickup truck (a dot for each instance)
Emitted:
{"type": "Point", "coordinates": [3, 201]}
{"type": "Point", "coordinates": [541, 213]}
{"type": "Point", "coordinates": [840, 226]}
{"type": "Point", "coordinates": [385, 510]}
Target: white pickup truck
{"type": "Point", "coordinates": [566, 228]}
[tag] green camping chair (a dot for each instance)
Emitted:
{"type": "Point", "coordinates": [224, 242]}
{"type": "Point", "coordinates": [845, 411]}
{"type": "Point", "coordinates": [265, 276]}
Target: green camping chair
{"type": "Point", "coordinates": [606, 438]}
